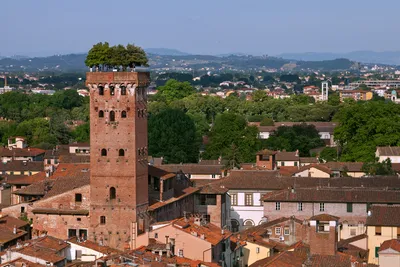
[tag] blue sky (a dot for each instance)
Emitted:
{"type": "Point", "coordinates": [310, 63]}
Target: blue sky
{"type": "Point", "coordinates": [45, 27]}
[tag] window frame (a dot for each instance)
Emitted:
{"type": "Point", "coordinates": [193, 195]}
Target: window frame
{"type": "Point", "coordinates": [299, 206]}
{"type": "Point", "coordinates": [277, 206]}
{"type": "Point", "coordinates": [378, 233]}
{"type": "Point", "coordinates": [78, 198]}
{"type": "Point", "coordinates": [322, 206]}
{"type": "Point", "coordinates": [276, 231]}
{"type": "Point", "coordinates": [349, 207]}
{"type": "Point", "coordinates": [248, 196]}
{"type": "Point", "coordinates": [234, 199]}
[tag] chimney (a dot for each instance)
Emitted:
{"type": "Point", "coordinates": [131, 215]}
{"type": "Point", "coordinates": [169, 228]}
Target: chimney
{"type": "Point", "coordinates": [297, 153]}
{"type": "Point", "coordinates": [15, 230]}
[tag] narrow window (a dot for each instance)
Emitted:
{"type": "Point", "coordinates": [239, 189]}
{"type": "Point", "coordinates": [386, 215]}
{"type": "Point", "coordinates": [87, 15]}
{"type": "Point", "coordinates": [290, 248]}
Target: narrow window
{"type": "Point", "coordinates": [101, 114]}
{"type": "Point", "coordinates": [121, 153]}
{"type": "Point", "coordinates": [286, 231]}
{"type": "Point", "coordinates": [349, 207]}
{"type": "Point", "coordinates": [78, 197]}
{"type": "Point", "coordinates": [321, 206]}
{"type": "Point", "coordinates": [113, 193]}
{"type": "Point", "coordinates": [101, 90]}
{"type": "Point", "coordinates": [300, 206]}
{"type": "Point", "coordinates": [112, 116]}
{"type": "Point", "coordinates": [123, 90]}
{"type": "Point", "coordinates": [277, 205]}
{"type": "Point", "coordinates": [123, 114]}
{"type": "Point", "coordinates": [278, 231]}
{"type": "Point", "coordinates": [248, 198]}
{"type": "Point", "coordinates": [112, 90]}
{"type": "Point", "coordinates": [104, 152]}
{"type": "Point", "coordinates": [103, 220]}
{"type": "Point", "coordinates": [378, 230]}
{"type": "Point", "coordinates": [234, 199]}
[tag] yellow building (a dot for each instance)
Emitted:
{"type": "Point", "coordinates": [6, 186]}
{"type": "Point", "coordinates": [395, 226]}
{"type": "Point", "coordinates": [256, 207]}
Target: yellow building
{"type": "Point", "coordinates": [357, 95]}
{"type": "Point", "coordinates": [383, 223]}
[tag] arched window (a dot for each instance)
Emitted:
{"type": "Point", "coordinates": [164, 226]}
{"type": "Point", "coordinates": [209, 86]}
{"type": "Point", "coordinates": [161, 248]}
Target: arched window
{"type": "Point", "coordinates": [121, 153]}
{"type": "Point", "coordinates": [101, 90]}
{"type": "Point", "coordinates": [123, 90]}
{"type": "Point", "coordinates": [113, 193]}
{"type": "Point", "coordinates": [112, 90]}
{"type": "Point", "coordinates": [235, 225]}
{"type": "Point", "coordinates": [112, 116]}
{"type": "Point", "coordinates": [101, 114]}
{"type": "Point", "coordinates": [104, 152]}
{"type": "Point", "coordinates": [123, 114]}
{"type": "Point", "coordinates": [102, 219]}
{"type": "Point", "coordinates": [248, 224]}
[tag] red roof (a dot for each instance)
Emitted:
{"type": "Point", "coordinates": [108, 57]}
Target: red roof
{"type": "Point", "coordinates": [393, 244]}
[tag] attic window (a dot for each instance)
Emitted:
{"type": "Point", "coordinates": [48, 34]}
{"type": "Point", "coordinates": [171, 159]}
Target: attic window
{"type": "Point", "coordinates": [78, 197]}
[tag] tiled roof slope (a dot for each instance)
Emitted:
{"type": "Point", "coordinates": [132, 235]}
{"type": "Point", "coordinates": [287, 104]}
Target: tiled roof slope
{"type": "Point", "coordinates": [393, 244]}
{"type": "Point", "coordinates": [389, 150]}
{"type": "Point", "coordinates": [336, 195]}
{"type": "Point", "coordinates": [384, 215]}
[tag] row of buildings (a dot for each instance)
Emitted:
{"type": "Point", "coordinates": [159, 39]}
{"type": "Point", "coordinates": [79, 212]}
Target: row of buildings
{"type": "Point", "coordinates": [109, 203]}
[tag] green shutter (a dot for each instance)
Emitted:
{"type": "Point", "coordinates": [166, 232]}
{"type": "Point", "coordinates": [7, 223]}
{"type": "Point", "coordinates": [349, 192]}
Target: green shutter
{"type": "Point", "coordinates": [376, 252]}
{"type": "Point", "coordinates": [349, 207]}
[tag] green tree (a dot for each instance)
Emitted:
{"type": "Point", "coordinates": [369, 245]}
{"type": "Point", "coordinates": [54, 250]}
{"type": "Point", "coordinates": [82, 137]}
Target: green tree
{"type": "Point", "coordinates": [328, 154]}
{"type": "Point", "coordinates": [67, 99]}
{"type": "Point", "coordinates": [334, 99]}
{"type": "Point", "coordinates": [136, 56]}
{"type": "Point", "coordinates": [267, 122]}
{"type": "Point", "coordinates": [231, 131]}
{"type": "Point", "coordinates": [378, 168]}
{"type": "Point", "coordinates": [259, 95]}
{"type": "Point", "coordinates": [172, 135]}
{"type": "Point", "coordinates": [365, 125]}
{"type": "Point", "coordinates": [173, 90]}
{"type": "Point", "coordinates": [82, 133]}
{"type": "Point", "coordinates": [98, 55]}
{"type": "Point", "coordinates": [300, 137]}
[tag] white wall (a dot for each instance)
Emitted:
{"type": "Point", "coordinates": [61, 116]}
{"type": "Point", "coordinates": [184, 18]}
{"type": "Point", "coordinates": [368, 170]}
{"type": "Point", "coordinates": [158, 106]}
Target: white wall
{"type": "Point", "coordinates": [71, 255]}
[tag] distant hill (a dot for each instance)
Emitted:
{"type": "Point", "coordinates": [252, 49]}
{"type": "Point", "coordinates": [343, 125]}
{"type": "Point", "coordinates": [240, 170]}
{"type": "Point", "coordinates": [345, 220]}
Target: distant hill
{"type": "Point", "coordinates": [165, 52]}
{"type": "Point", "coordinates": [76, 62]}
{"type": "Point", "coordinates": [389, 57]}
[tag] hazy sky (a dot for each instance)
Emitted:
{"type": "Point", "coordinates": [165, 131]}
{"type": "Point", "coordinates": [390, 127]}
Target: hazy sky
{"type": "Point", "coordinates": [45, 27]}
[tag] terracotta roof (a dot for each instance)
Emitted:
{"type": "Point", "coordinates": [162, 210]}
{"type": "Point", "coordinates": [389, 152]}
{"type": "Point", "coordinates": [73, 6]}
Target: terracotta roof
{"type": "Point", "coordinates": [384, 215]}
{"type": "Point", "coordinates": [320, 167]}
{"type": "Point", "coordinates": [46, 248]}
{"type": "Point", "coordinates": [192, 168]}
{"type": "Point", "coordinates": [287, 156]}
{"type": "Point", "coordinates": [345, 166]}
{"type": "Point", "coordinates": [157, 172]}
{"type": "Point", "coordinates": [93, 245]}
{"type": "Point", "coordinates": [324, 218]}
{"type": "Point", "coordinates": [209, 232]}
{"type": "Point", "coordinates": [7, 235]}
{"type": "Point", "coordinates": [21, 152]}
{"type": "Point", "coordinates": [388, 150]}
{"type": "Point", "coordinates": [185, 192]}
{"type": "Point", "coordinates": [9, 222]}
{"type": "Point", "coordinates": [270, 180]}
{"type": "Point", "coordinates": [393, 244]}
{"type": "Point", "coordinates": [60, 211]}
{"type": "Point", "coordinates": [288, 170]}
{"type": "Point", "coordinates": [320, 126]}
{"type": "Point", "coordinates": [335, 195]}
{"type": "Point", "coordinates": [20, 165]}
{"type": "Point", "coordinates": [308, 160]}
{"type": "Point", "coordinates": [28, 179]}
{"type": "Point", "coordinates": [36, 189]}
{"type": "Point", "coordinates": [21, 262]}
{"type": "Point", "coordinates": [213, 188]}
{"type": "Point", "coordinates": [266, 152]}
{"type": "Point", "coordinates": [350, 240]}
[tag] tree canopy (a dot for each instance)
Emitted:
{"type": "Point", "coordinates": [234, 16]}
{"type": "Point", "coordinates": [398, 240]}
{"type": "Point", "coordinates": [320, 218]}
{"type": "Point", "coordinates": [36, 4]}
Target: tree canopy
{"type": "Point", "coordinates": [172, 135]}
{"type": "Point", "coordinates": [103, 56]}
{"type": "Point", "coordinates": [365, 125]}
{"type": "Point", "coordinates": [297, 137]}
{"type": "Point", "coordinates": [174, 90]}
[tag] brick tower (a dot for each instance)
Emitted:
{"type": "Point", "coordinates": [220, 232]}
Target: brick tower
{"type": "Point", "coordinates": [118, 143]}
